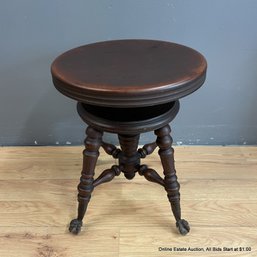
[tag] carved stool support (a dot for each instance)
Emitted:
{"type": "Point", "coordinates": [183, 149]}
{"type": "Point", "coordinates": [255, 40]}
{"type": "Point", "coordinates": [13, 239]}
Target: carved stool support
{"type": "Point", "coordinates": [128, 87]}
{"type": "Point", "coordinates": [150, 174]}
{"type": "Point", "coordinates": [129, 160]}
{"type": "Point", "coordinates": [129, 163]}
{"type": "Point", "coordinates": [166, 152]}
{"type": "Point", "coordinates": [86, 185]}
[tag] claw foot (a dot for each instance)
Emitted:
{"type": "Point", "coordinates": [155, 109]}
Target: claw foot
{"type": "Point", "coordinates": [75, 226]}
{"type": "Point", "coordinates": [183, 227]}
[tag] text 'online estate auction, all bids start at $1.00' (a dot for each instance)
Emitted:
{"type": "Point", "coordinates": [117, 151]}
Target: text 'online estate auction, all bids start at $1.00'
{"type": "Point", "coordinates": [206, 249]}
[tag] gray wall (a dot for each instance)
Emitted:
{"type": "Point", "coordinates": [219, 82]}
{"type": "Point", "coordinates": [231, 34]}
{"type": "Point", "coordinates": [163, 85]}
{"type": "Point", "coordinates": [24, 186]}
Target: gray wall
{"type": "Point", "coordinates": [34, 32]}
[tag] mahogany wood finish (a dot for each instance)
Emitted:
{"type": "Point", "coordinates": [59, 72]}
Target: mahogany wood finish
{"type": "Point", "coordinates": [129, 73]}
{"type": "Point", "coordinates": [128, 120]}
{"type": "Point", "coordinates": [166, 152]}
{"type": "Point", "coordinates": [86, 185]}
{"type": "Point", "coordinates": [128, 87]}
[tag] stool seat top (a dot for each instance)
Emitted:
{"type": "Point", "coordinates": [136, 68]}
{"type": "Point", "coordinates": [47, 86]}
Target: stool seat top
{"type": "Point", "coordinates": [129, 73]}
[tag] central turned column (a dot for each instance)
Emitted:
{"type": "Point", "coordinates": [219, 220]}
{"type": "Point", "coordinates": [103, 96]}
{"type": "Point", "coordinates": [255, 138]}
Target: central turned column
{"type": "Point", "coordinates": [129, 160]}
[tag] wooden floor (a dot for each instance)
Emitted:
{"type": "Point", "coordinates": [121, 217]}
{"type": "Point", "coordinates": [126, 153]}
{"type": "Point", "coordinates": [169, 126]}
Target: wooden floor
{"type": "Point", "coordinates": [127, 218]}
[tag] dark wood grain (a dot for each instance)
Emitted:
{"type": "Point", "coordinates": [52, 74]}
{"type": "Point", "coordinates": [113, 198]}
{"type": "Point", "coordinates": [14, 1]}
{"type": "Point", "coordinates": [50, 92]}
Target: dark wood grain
{"type": "Point", "coordinates": [93, 142]}
{"type": "Point", "coordinates": [166, 152]}
{"type": "Point", "coordinates": [129, 72]}
{"type": "Point", "coordinates": [128, 120]}
{"type": "Point", "coordinates": [129, 87]}
{"type": "Point", "coordinates": [129, 161]}
{"type": "Point", "coordinates": [107, 175]}
{"type": "Point", "coordinates": [151, 175]}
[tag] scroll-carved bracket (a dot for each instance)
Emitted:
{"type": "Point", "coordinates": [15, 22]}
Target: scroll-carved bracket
{"type": "Point", "coordinates": [107, 175]}
{"type": "Point", "coordinates": [147, 149]}
{"type": "Point", "coordinates": [151, 175]}
{"type": "Point", "coordinates": [111, 150]}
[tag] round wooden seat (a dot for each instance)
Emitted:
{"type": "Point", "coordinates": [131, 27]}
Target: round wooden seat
{"type": "Point", "coordinates": [129, 73]}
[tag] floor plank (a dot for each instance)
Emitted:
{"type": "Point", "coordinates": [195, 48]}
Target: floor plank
{"type": "Point", "coordinates": [127, 218]}
{"type": "Point", "coordinates": [56, 241]}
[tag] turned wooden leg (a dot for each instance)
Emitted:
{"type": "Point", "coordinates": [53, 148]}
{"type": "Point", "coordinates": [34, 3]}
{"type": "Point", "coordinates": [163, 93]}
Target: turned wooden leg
{"type": "Point", "coordinates": [166, 152]}
{"type": "Point", "coordinates": [85, 187]}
